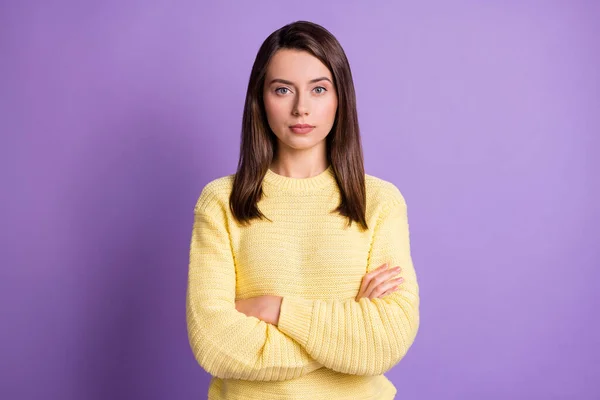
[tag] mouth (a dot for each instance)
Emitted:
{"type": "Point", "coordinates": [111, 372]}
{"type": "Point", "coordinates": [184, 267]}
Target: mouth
{"type": "Point", "coordinates": [301, 128]}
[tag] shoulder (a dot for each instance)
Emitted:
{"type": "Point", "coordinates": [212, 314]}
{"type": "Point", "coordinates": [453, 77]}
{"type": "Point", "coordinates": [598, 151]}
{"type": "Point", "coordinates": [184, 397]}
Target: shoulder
{"type": "Point", "coordinates": [382, 192]}
{"type": "Point", "coordinates": [215, 194]}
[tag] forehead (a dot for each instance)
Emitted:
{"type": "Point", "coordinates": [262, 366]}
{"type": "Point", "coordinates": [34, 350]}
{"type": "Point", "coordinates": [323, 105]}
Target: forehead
{"type": "Point", "coordinates": [296, 65]}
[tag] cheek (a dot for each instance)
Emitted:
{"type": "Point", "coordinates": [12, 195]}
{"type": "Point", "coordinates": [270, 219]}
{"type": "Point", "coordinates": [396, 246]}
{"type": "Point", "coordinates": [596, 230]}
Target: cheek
{"type": "Point", "coordinates": [274, 109]}
{"type": "Point", "coordinates": [329, 109]}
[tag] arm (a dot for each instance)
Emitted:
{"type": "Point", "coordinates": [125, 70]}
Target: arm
{"type": "Point", "coordinates": [370, 336]}
{"type": "Point", "coordinates": [225, 342]}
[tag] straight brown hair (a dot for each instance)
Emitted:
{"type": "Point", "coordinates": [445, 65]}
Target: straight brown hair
{"type": "Point", "coordinates": [258, 142]}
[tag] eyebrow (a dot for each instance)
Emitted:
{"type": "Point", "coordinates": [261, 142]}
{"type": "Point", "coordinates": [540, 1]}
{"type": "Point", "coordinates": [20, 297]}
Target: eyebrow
{"type": "Point", "coordinates": [323, 78]}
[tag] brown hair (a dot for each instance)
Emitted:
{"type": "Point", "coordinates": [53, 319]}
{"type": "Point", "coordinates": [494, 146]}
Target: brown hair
{"type": "Point", "coordinates": [258, 142]}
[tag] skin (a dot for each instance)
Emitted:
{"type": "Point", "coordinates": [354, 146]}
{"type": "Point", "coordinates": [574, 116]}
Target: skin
{"type": "Point", "coordinates": [294, 93]}
{"type": "Point", "coordinates": [299, 101]}
{"type": "Point", "coordinates": [379, 282]}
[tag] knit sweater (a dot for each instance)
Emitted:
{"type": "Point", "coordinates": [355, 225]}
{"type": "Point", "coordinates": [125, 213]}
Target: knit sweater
{"type": "Point", "coordinates": [326, 345]}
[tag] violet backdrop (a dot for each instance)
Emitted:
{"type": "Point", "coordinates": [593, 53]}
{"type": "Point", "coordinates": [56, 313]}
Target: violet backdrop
{"type": "Point", "coordinates": [115, 114]}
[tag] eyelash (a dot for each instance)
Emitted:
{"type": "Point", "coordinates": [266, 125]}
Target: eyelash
{"type": "Point", "coordinates": [318, 87]}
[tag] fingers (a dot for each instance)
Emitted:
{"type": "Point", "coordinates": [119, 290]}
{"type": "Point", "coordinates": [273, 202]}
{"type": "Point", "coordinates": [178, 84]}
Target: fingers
{"type": "Point", "coordinates": [366, 279]}
{"type": "Point", "coordinates": [378, 282]}
{"type": "Point", "coordinates": [381, 296]}
{"type": "Point", "coordinates": [386, 288]}
{"type": "Point", "coordinates": [380, 278]}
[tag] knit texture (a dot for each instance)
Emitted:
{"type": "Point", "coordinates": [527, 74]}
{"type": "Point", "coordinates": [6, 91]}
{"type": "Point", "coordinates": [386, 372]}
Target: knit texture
{"type": "Point", "coordinates": [326, 345]}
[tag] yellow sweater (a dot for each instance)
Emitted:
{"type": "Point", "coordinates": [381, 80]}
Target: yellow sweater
{"type": "Point", "coordinates": [326, 344]}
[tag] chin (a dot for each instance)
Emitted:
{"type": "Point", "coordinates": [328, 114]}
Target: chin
{"type": "Point", "coordinates": [299, 141]}
{"type": "Point", "coordinates": [300, 146]}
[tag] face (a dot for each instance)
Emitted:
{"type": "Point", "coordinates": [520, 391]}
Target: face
{"type": "Point", "coordinates": [299, 90]}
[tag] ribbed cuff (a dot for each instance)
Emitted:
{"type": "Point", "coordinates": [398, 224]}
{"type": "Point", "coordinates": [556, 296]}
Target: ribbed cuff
{"type": "Point", "coordinates": [295, 317]}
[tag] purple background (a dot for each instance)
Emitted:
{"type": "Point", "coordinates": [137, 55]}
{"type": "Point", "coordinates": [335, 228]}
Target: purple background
{"type": "Point", "coordinates": [115, 114]}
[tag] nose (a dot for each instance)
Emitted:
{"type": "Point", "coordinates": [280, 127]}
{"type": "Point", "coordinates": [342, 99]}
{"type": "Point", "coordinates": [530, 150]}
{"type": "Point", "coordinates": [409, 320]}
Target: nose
{"type": "Point", "coordinates": [301, 106]}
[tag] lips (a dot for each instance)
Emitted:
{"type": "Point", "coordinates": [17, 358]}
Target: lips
{"type": "Point", "coordinates": [301, 128]}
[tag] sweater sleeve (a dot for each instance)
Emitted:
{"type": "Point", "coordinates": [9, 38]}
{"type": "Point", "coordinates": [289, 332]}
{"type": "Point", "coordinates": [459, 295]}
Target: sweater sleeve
{"type": "Point", "coordinates": [369, 336]}
{"type": "Point", "coordinates": [226, 342]}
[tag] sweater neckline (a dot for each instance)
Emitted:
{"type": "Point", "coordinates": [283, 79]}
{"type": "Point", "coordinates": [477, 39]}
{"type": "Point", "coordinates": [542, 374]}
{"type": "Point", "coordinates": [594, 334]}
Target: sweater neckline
{"type": "Point", "coordinates": [324, 178]}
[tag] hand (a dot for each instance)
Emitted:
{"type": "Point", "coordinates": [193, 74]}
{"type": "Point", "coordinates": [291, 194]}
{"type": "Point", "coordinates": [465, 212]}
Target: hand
{"type": "Point", "coordinates": [266, 308]}
{"type": "Point", "coordinates": [377, 283]}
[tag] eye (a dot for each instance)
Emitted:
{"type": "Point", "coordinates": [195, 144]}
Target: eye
{"type": "Point", "coordinates": [320, 87]}
{"type": "Point", "coordinates": [281, 88]}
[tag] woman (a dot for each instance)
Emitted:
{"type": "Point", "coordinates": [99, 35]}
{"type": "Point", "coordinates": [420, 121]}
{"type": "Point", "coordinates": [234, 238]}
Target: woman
{"type": "Point", "coordinates": [289, 293]}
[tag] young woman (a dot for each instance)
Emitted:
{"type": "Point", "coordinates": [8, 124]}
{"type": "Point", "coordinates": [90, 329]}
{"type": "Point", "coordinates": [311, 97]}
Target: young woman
{"type": "Point", "coordinates": [291, 291]}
